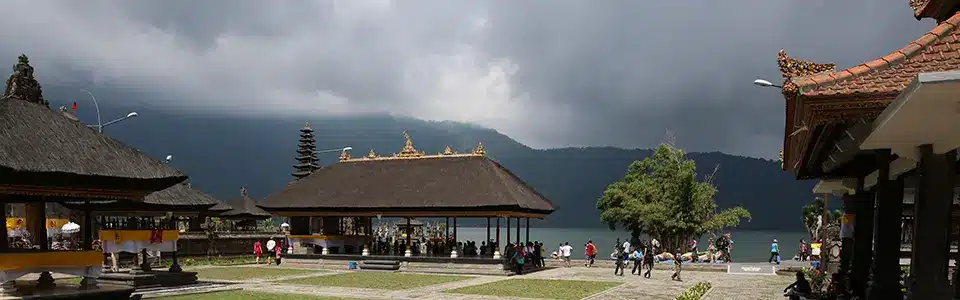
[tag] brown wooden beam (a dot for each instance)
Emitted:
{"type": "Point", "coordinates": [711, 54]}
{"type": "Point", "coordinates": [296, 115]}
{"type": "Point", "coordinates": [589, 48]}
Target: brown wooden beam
{"type": "Point", "coordinates": [30, 190]}
{"type": "Point", "coordinates": [422, 214]}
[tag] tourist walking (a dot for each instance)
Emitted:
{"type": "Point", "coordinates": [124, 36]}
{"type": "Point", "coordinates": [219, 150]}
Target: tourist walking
{"type": "Point", "coordinates": [621, 256]}
{"type": "Point", "coordinates": [566, 250]}
{"type": "Point", "coordinates": [648, 262]}
{"type": "Point", "coordinates": [543, 253]}
{"type": "Point", "coordinates": [278, 250]}
{"type": "Point", "coordinates": [637, 257]}
{"type": "Point", "coordinates": [693, 248]}
{"type": "Point", "coordinates": [676, 266]}
{"type": "Point", "coordinates": [655, 244]}
{"type": "Point", "coordinates": [518, 258]}
{"type": "Point", "coordinates": [591, 253]}
{"type": "Point", "coordinates": [774, 252]}
{"type": "Point", "coordinates": [728, 246]}
{"type": "Point", "coordinates": [258, 251]}
{"type": "Point", "coordinates": [803, 250]}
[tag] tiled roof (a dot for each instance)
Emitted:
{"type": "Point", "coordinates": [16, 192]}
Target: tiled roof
{"type": "Point", "coordinates": [937, 50]}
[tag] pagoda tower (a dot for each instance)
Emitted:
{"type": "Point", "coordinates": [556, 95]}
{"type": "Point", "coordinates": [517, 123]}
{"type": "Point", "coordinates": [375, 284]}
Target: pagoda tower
{"type": "Point", "coordinates": [306, 153]}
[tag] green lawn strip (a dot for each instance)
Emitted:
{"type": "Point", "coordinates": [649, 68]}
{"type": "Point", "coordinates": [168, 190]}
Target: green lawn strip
{"type": "Point", "coordinates": [376, 280]}
{"type": "Point", "coordinates": [537, 288]}
{"type": "Point", "coordinates": [249, 295]}
{"type": "Point", "coordinates": [245, 273]}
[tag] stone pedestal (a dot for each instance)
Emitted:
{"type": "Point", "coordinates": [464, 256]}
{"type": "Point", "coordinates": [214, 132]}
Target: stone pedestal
{"type": "Point", "coordinates": [8, 288]}
{"type": "Point", "coordinates": [407, 253]}
{"type": "Point", "coordinates": [453, 254]}
{"type": "Point", "coordinates": [88, 283]}
{"type": "Point", "coordinates": [325, 251]}
{"type": "Point", "coordinates": [496, 254]}
{"type": "Point", "coordinates": [45, 282]}
{"type": "Point", "coordinates": [932, 207]}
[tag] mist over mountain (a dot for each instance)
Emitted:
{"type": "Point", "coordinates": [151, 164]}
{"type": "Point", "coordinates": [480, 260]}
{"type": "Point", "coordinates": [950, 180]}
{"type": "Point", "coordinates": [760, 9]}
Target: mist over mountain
{"type": "Point", "coordinates": [221, 154]}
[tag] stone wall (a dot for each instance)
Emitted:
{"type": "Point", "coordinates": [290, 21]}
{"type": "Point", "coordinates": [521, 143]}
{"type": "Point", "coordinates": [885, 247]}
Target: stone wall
{"type": "Point", "coordinates": [224, 243]}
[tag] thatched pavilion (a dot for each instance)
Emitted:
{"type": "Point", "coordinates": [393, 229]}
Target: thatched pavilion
{"type": "Point", "coordinates": [244, 211]}
{"type": "Point", "coordinates": [406, 185]}
{"type": "Point", "coordinates": [48, 156]}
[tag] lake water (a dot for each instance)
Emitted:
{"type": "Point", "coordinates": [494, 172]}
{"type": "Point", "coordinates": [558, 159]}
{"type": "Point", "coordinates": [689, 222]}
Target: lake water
{"type": "Point", "coordinates": [749, 246]}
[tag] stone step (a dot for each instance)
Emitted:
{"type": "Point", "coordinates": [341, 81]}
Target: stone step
{"type": "Point", "coordinates": [382, 262]}
{"type": "Point", "coordinates": [380, 267]}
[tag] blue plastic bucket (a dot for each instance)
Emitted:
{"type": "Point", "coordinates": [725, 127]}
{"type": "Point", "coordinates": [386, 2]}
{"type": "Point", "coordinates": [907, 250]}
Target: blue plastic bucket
{"type": "Point", "coordinates": [815, 264]}
{"type": "Point", "coordinates": [351, 265]}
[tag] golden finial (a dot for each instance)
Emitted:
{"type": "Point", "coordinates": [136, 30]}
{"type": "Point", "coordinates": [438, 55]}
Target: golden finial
{"type": "Point", "coordinates": [447, 151]}
{"type": "Point", "coordinates": [344, 156]}
{"type": "Point", "coordinates": [408, 149]}
{"type": "Point", "coordinates": [479, 150]}
{"type": "Point", "coordinates": [372, 154]}
{"type": "Point", "coordinates": [306, 125]}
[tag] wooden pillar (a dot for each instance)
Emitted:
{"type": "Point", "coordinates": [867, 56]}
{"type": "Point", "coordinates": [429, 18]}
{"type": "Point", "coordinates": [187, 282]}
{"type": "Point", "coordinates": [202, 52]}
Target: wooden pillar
{"type": "Point", "coordinates": [518, 230]}
{"type": "Point", "coordinates": [496, 247]}
{"type": "Point", "coordinates": [87, 227]}
{"type": "Point", "coordinates": [932, 209]}
{"type": "Point", "coordinates": [37, 223]}
{"type": "Point", "coordinates": [862, 240]}
{"type": "Point", "coordinates": [455, 233]}
{"type": "Point", "coordinates": [528, 230]}
{"type": "Point", "coordinates": [446, 232]}
{"type": "Point", "coordinates": [488, 232]}
{"type": "Point", "coordinates": [886, 232]}
{"type": "Point", "coordinates": [3, 232]}
{"type": "Point", "coordinates": [508, 230]}
{"type": "Point", "coordinates": [409, 235]}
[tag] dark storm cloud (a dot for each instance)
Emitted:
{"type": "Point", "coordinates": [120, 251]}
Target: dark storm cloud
{"type": "Point", "coordinates": [549, 73]}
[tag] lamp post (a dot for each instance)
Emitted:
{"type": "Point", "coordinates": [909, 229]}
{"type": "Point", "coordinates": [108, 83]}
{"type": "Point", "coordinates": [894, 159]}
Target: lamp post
{"type": "Point", "coordinates": [765, 83]}
{"type": "Point", "coordinates": [344, 149]}
{"type": "Point", "coordinates": [96, 106]}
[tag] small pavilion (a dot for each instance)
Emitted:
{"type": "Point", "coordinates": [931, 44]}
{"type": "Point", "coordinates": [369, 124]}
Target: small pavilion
{"type": "Point", "coordinates": [48, 156]}
{"type": "Point", "coordinates": [333, 208]}
{"type": "Point", "coordinates": [883, 135]}
{"type": "Point", "coordinates": [244, 212]}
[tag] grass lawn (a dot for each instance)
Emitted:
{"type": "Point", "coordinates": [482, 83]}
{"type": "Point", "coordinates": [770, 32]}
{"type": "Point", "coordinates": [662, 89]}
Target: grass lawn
{"type": "Point", "coordinates": [537, 288]}
{"type": "Point", "coordinates": [377, 280]}
{"type": "Point", "coordinates": [248, 295]}
{"type": "Point", "coordinates": [244, 273]}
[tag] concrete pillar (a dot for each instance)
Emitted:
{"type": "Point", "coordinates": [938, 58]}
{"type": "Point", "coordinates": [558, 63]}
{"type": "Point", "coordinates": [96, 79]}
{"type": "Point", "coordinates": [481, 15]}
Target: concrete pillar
{"type": "Point", "coordinates": [887, 217]}
{"type": "Point", "coordinates": [863, 241]}
{"type": "Point", "coordinates": [931, 240]}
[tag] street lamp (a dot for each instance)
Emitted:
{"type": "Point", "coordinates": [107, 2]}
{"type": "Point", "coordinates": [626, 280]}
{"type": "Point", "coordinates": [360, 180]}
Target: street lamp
{"type": "Point", "coordinates": [100, 125]}
{"type": "Point", "coordinates": [168, 159]}
{"type": "Point", "coordinates": [344, 149]}
{"type": "Point", "coordinates": [765, 83]}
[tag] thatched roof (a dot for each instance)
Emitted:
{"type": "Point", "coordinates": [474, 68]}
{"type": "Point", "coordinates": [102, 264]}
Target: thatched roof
{"type": "Point", "coordinates": [419, 183]}
{"type": "Point", "coordinates": [178, 198]}
{"type": "Point", "coordinates": [243, 207]}
{"type": "Point", "coordinates": [42, 147]}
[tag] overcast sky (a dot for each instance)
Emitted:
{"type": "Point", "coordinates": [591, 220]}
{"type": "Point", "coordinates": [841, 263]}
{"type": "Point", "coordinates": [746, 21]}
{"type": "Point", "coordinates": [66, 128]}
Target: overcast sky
{"type": "Point", "coordinates": [548, 73]}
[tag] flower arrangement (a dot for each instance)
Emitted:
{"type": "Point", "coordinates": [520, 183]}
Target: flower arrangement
{"type": "Point", "coordinates": [695, 292]}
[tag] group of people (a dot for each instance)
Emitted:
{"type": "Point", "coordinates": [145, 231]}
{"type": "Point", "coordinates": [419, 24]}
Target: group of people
{"type": "Point", "coordinates": [520, 255]}
{"type": "Point", "coordinates": [258, 249]}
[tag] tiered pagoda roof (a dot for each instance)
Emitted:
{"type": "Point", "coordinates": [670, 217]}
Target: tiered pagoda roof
{"type": "Point", "coordinates": [306, 153]}
{"type": "Point", "coordinates": [243, 207]}
{"type": "Point", "coordinates": [818, 95]}
{"type": "Point", "coordinates": [411, 183]}
{"type": "Point", "coordinates": [44, 152]}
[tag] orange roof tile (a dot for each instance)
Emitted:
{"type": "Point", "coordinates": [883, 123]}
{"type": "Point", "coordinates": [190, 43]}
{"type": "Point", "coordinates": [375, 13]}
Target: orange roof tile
{"type": "Point", "coordinates": [937, 50]}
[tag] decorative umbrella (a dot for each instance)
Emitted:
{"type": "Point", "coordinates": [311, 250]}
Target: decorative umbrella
{"type": "Point", "coordinates": [70, 228]}
{"type": "Point", "coordinates": [271, 244]}
{"type": "Point", "coordinates": [284, 225]}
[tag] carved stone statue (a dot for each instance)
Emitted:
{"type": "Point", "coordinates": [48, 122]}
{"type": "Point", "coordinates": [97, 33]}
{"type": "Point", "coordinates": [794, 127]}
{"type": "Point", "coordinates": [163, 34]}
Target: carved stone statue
{"type": "Point", "coordinates": [23, 85]}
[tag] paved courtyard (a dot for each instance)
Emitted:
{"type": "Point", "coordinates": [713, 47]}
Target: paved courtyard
{"type": "Point", "coordinates": [725, 286]}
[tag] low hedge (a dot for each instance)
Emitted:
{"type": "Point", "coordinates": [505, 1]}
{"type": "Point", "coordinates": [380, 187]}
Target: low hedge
{"type": "Point", "coordinates": [695, 292]}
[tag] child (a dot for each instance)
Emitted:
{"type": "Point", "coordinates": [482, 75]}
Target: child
{"type": "Point", "coordinates": [637, 258]}
{"type": "Point", "coordinates": [676, 265]}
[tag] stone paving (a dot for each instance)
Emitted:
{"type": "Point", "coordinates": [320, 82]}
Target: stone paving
{"type": "Point", "coordinates": [725, 286]}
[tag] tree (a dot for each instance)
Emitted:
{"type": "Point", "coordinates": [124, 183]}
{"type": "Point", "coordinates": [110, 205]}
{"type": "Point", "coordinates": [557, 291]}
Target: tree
{"type": "Point", "coordinates": [812, 212]}
{"type": "Point", "coordinates": [661, 196]}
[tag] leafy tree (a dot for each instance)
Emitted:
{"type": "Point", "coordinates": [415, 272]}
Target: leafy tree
{"type": "Point", "coordinates": [661, 196]}
{"type": "Point", "coordinates": [812, 211]}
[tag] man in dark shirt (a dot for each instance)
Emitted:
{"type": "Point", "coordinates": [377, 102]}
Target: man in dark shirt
{"type": "Point", "coordinates": [798, 288]}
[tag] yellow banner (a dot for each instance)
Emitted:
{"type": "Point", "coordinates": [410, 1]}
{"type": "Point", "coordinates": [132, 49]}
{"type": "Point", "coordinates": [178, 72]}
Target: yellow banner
{"type": "Point", "coordinates": [50, 259]}
{"type": "Point", "coordinates": [57, 223]}
{"type": "Point", "coordinates": [137, 235]}
{"type": "Point", "coordinates": [14, 223]}
{"type": "Point", "coordinates": [815, 245]}
{"type": "Point", "coordinates": [847, 219]}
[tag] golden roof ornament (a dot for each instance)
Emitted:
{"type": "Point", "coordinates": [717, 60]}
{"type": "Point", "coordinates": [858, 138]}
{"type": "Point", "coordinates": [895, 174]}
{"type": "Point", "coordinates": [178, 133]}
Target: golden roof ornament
{"type": "Point", "coordinates": [479, 150]}
{"type": "Point", "coordinates": [447, 151]}
{"type": "Point", "coordinates": [791, 67]}
{"type": "Point", "coordinates": [344, 156]}
{"type": "Point", "coordinates": [372, 154]}
{"type": "Point", "coordinates": [408, 149]}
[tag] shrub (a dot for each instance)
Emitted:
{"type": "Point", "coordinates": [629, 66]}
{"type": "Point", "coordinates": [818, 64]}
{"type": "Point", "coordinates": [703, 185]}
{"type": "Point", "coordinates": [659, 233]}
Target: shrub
{"type": "Point", "coordinates": [695, 292]}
